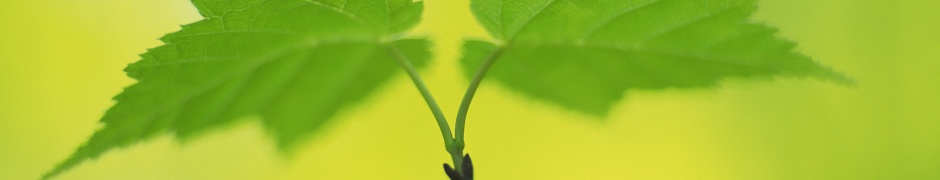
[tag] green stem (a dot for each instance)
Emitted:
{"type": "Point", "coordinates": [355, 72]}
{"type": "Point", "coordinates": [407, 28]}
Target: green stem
{"type": "Point", "coordinates": [453, 145]}
{"type": "Point", "coordinates": [471, 91]}
{"type": "Point", "coordinates": [428, 98]}
{"type": "Point", "coordinates": [457, 152]}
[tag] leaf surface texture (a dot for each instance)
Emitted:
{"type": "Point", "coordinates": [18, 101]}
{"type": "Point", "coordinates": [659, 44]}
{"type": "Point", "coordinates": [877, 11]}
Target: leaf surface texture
{"type": "Point", "coordinates": [583, 54]}
{"type": "Point", "coordinates": [295, 63]}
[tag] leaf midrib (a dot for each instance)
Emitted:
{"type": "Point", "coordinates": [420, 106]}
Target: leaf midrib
{"type": "Point", "coordinates": [610, 19]}
{"type": "Point", "coordinates": [607, 21]}
{"type": "Point", "coordinates": [260, 60]}
{"type": "Point", "coordinates": [249, 70]}
{"type": "Point", "coordinates": [636, 49]}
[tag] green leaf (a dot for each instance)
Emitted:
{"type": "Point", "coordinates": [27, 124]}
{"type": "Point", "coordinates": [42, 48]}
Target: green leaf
{"type": "Point", "coordinates": [583, 54]}
{"type": "Point", "coordinates": [293, 62]}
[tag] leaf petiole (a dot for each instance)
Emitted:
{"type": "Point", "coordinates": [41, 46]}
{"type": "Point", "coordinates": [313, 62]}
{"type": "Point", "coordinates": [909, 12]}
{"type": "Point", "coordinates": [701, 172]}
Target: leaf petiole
{"type": "Point", "coordinates": [471, 91]}
{"type": "Point", "coordinates": [428, 98]}
{"type": "Point", "coordinates": [459, 143]}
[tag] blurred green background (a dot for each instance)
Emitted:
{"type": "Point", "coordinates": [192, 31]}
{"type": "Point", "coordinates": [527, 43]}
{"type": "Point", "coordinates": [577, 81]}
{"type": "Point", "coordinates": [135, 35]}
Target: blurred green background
{"type": "Point", "coordinates": [61, 62]}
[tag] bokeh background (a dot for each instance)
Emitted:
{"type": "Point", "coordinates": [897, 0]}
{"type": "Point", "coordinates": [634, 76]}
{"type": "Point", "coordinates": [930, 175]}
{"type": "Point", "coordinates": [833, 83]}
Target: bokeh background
{"type": "Point", "coordinates": [61, 62]}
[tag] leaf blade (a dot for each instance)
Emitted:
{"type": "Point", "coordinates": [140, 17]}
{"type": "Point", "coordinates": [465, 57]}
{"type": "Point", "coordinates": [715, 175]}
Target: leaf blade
{"type": "Point", "coordinates": [294, 62]}
{"type": "Point", "coordinates": [584, 54]}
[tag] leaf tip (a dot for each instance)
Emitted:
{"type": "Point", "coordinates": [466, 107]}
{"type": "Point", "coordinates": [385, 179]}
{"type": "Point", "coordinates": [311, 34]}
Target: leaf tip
{"type": "Point", "coordinates": [69, 163]}
{"type": "Point", "coordinates": [831, 76]}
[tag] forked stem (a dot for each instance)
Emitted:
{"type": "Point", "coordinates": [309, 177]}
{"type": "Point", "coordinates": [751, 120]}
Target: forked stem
{"type": "Point", "coordinates": [453, 145]}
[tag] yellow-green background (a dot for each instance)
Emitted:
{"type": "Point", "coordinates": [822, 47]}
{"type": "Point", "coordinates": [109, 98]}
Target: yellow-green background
{"type": "Point", "coordinates": [61, 62]}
